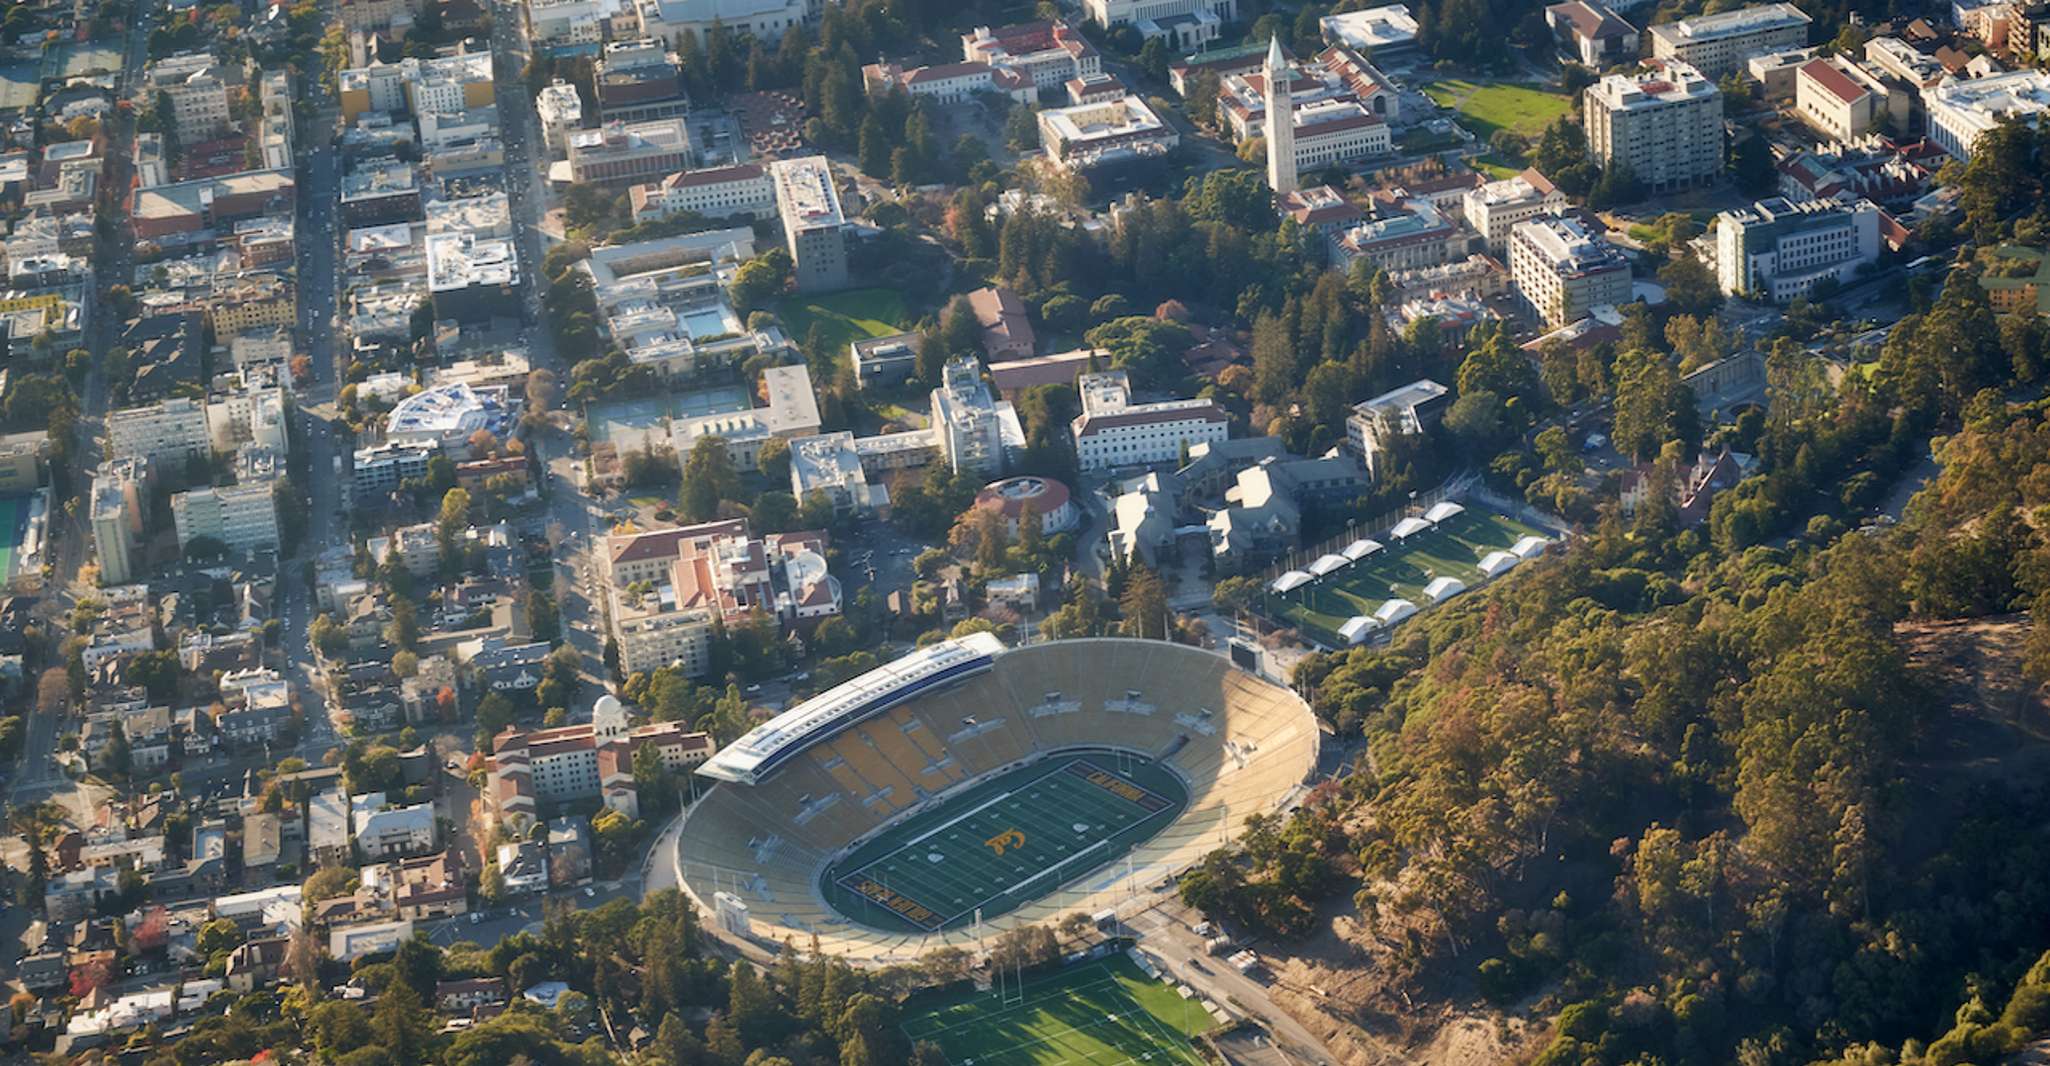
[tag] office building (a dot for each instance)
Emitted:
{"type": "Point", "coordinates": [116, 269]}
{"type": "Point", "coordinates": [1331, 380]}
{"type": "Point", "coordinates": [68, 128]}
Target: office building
{"type": "Point", "coordinates": [1719, 44]}
{"type": "Point", "coordinates": [623, 152]}
{"type": "Point", "coordinates": [1782, 250]}
{"type": "Point", "coordinates": [1665, 126]}
{"type": "Point", "coordinates": [242, 518]}
{"type": "Point", "coordinates": [813, 226]}
{"type": "Point", "coordinates": [560, 111]}
{"type": "Point", "coordinates": [1113, 432]}
{"type": "Point", "coordinates": [472, 278]}
{"type": "Point", "coordinates": [1497, 207]}
{"type": "Point", "coordinates": [118, 507]}
{"type": "Point", "coordinates": [1562, 270]}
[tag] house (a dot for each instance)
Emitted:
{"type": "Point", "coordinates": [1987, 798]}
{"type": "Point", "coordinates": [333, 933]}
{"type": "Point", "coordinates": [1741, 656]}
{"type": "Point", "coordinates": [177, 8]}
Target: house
{"type": "Point", "coordinates": [462, 997]}
{"type": "Point", "coordinates": [262, 845]}
{"type": "Point", "coordinates": [351, 942]}
{"type": "Point", "coordinates": [384, 832]}
{"type": "Point", "coordinates": [569, 850]}
{"type": "Point", "coordinates": [1006, 328]}
{"type": "Point", "coordinates": [257, 963]}
{"type": "Point", "coordinates": [502, 666]}
{"type": "Point", "coordinates": [1694, 486]}
{"type": "Point", "coordinates": [523, 867]}
{"type": "Point", "coordinates": [327, 828]}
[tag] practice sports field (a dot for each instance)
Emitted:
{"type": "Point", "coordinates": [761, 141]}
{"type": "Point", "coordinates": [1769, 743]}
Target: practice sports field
{"type": "Point", "coordinates": [1106, 1012]}
{"type": "Point", "coordinates": [1006, 842]}
{"type": "Point", "coordinates": [1487, 107]}
{"type": "Point", "coordinates": [1399, 571]}
{"type": "Point", "coordinates": [13, 519]}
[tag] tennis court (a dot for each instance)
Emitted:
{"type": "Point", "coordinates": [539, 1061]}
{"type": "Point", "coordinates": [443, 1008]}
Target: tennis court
{"type": "Point", "coordinates": [13, 520]}
{"type": "Point", "coordinates": [1006, 842]}
{"type": "Point", "coordinates": [1399, 571]}
{"type": "Point", "coordinates": [1105, 1012]}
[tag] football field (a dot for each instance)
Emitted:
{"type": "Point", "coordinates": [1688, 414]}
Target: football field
{"type": "Point", "coordinates": [1101, 1013]}
{"type": "Point", "coordinates": [1006, 842]}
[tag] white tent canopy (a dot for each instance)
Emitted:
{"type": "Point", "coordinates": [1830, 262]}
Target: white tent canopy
{"type": "Point", "coordinates": [1444, 588]}
{"type": "Point", "coordinates": [1360, 549]}
{"type": "Point", "coordinates": [1291, 581]}
{"type": "Point", "coordinates": [1359, 628]}
{"type": "Point", "coordinates": [1326, 564]}
{"type": "Point", "coordinates": [1394, 611]}
{"type": "Point", "coordinates": [1529, 547]}
{"type": "Point", "coordinates": [1497, 563]}
{"type": "Point", "coordinates": [1408, 527]}
{"type": "Point", "coordinates": [1442, 511]}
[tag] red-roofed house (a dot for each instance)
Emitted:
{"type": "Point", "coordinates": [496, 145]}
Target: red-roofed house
{"type": "Point", "coordinates": [1591, 33]}
{"type": "Point", "coordinates": [1006, 328]}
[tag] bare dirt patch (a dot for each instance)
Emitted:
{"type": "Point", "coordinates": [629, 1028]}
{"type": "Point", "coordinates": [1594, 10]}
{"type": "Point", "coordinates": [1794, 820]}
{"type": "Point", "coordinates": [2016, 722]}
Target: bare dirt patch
{"type": "Point", "coordinates": [1989, 724]}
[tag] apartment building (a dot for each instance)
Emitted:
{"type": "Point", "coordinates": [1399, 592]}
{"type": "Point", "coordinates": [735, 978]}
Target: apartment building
{"type": "Point", "coordinates": [813, 227]}
{"type": "Point", "coordinates": [1497, 207]}
{"type": "Point", "coordinates": [1112, 431]}
{"type": "Point", "coordinates": [168, 432]}
{"type": "Point", "coordinates": [384, 467]}
{"type": "Point", "coordinates": [242, 518]}
{"type": "Point", "coordinates": [1562, 270]}
{"type": "Point", "coordinates": [718, 192]}
{"type": "Point", "coordinates": [1719, 44]}
{"type": "Point", "coordinates": [560, 111]}
{"type": "Point", "coordinates": [197, 86]}
{"type": "Point", "coordinates": [1782, 250]}
{"type": "Point", "coordinates": [1665, 126]}
{"type": "Point", "coordinates": [120, 497]}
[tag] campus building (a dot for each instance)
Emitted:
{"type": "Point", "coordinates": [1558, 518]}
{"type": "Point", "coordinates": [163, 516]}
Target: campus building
{"type": "Point", "coordinates": [1497, 207]}
{"type": "Point", "coordinates": [1719, 44]}
{"type": "Point", "coordinates": [584, 762]}
{"type": "Point", "coordinates": [627, 152]}
{"type": "Point", "coordinates": [1960, 112]}
{"type": "Point", "coordinates": [1112, 431]}
{"type": "Point", "coordinates": [813, 226]}
{"type": "Point", "coordinates": [1413, 408]}
{"type": "Point", "coordinates": [719, 192]}
{"type": "Point", "coordinates": [1782, 250]}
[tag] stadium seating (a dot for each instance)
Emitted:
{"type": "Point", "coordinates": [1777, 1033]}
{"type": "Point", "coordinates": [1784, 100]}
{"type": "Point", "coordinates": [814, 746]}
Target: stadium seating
{"type": "Point", "coordinates": [1249, 753]}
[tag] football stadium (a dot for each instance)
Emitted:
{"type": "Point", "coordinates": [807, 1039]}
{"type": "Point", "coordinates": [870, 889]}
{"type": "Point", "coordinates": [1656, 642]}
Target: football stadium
{"type": "Point", "coordinates": [968, 788]}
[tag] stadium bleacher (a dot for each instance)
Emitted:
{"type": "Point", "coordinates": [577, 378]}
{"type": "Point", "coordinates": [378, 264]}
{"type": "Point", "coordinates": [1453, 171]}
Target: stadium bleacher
{"type": "Point", "coordinates": [1261, 744]}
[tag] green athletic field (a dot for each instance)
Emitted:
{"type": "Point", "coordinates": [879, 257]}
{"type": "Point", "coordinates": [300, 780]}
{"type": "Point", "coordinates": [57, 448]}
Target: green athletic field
{"type": "Point", "coordinates": [1398, 571]}
{"type": "Point", "coordinates": [13, 515]}
{"type": "Point", "coordinates": [1101, 1013]}
{"type": "Point", "coordinates": [1006, 842]}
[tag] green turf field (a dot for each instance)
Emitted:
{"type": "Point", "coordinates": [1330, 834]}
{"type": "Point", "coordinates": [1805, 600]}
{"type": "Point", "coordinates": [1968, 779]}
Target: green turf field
{"type": "Point", "coordinates": [1398, 571]}
{"type": "Point", "coordinates": [1005, 843]}
{"type": "Point", "coordinates": [13, 512]}
{"type": "Point", "coordinates": [1485, 108]}
{"type": "Point", "coordinates": [843, 317]}
{"type": "Point", "coordinates": [1101, 1013]}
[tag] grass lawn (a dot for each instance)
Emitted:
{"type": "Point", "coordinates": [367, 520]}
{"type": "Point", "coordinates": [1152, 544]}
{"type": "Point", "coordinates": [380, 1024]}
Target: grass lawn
{"type": "Point", "coordinates": [843, 317]}
{"type": "Point", "coordinates": [1101, 1013]}
{"type": "Point", "coordinates": [1485, 108]}
{"type": "Point", "coordinates": [1399, 571]}
{"type": "Point", "coordinates": [1497, 167]}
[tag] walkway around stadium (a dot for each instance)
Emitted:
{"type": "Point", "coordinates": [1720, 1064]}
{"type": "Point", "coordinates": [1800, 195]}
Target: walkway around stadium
{"type": "Point", "coordinates": [887, 761]}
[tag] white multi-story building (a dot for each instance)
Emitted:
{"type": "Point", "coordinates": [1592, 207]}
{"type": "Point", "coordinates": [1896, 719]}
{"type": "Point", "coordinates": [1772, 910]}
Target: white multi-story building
{"type": "Point", "coordinates": [243, 518]}
{"type": "Point", "coordinates": [1665, 126]}
{"type": "Point", "coordinates": [626, 152]}
{"type": "Point", "coordinates": [655, 633]}
{"type": "Point", "coordinates": [1561, 270]}
{"type": "Point", "coordinates": [560, 23]}
{"type": "Point", "coordinates": [1389, 28]}
{"type": "Point", "coordinates": [1410, 409]}
{"type": "Point", "coordinates": [966, 420]}
{"type": "Point", "coordinates": [719, 192]}
{"type": "Point", "coordinates": [948, 83]}
{"type": "Point", "coordinates": [763, 20]}
{"type": "Point", "coordinates": [1112, 431]}
{"type": "Point", "coordinates": [120, 495]}
{"type": "Point", "coordinates": [169, 432]}
{"type": "Point", "coordinates": [197, 85]}
{"type": "Point", "coordinates": [560, 110]}
{"type": "Point", "coordinates": [1782, 250]}
{"type": "Point", "coordinates": [1960, 112]}
{"type": "Point", "coordinates": [813, 226]}
{"type": "Point", "coordinates": [1409, 236]}
{"type": "Point", "coordinates": [1497, 207]}
{"type": "Point", "coordinates": [1719, 44]}
{"type": "Point", "coordinates": [1186, 24]}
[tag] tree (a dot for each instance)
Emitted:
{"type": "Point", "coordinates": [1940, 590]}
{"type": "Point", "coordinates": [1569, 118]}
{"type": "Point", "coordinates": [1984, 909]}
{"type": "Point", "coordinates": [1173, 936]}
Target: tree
{"type": "Point", "coordinates": [708, 478]}
{"type": "Point", "coordinates": [1144, 604]}
{"type": "Point", "coordinates": [760, 278]}
{"type": "Point", "coordinates": [328, 882]}
{"type": "Point", "coordinates": [1751, 165]}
